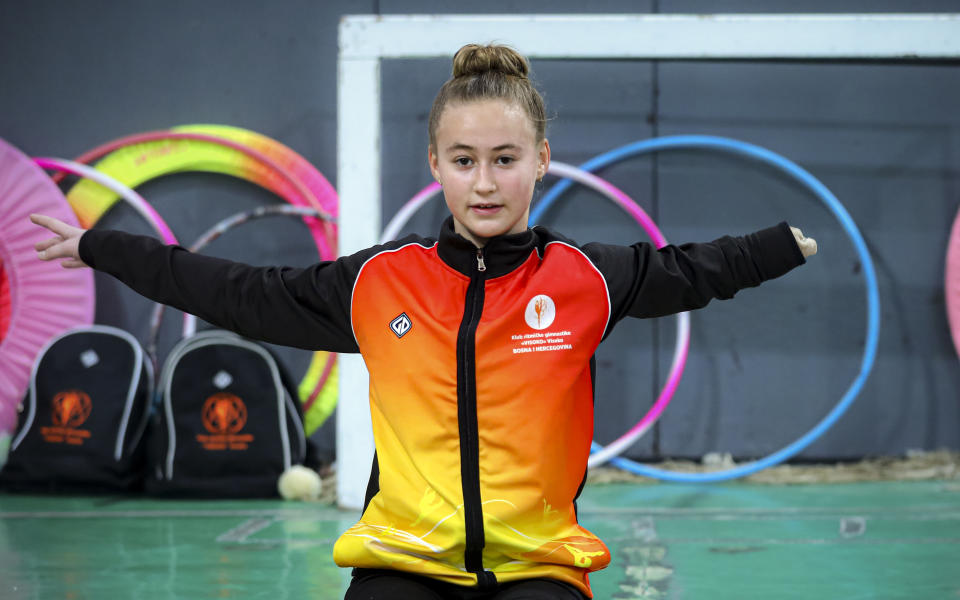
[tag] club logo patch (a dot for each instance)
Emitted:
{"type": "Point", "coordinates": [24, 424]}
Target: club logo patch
{"type": "Point", "coordinates": [68, 411]}
{"type": "Point", "coordinates": [540, 312]}
{"type": "Point", "coordinates": [71, 408]}
{"type": "Point", "coordinates": [224, 413]}
{"type": "Point", "coordinates": [224, 416]}
{"type": "Point", "coordinates": [401, 325]}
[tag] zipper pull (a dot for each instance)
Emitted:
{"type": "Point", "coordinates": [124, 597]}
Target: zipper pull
{"type": "Point", "coordinates": [480, 266]}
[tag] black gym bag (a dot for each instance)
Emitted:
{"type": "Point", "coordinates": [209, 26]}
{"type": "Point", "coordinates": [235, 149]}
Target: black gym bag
{"type": "Point", "coordinates": [227, 422]}
{"type": "Point", "coordinates": [81, 424]}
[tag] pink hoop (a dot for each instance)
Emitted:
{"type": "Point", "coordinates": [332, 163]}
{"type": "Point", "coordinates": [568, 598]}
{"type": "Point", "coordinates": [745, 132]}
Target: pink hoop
{"type": "Point", "coordinates": [951, 286]}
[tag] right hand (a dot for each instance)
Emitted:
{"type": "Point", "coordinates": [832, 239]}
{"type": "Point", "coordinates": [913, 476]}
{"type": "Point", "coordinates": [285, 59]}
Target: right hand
{"type": "Point", "coordinates": [64, 246]}
{"type": "Point", "coordinates": [807, 245]}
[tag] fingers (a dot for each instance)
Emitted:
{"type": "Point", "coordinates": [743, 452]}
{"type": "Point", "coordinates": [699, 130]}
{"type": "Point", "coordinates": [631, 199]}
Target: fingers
{"type": "Point", "coordinates": [47, 221]}
{"type": "Point", "coordinates": [47, 244]}
{"type": "Point", "coordinates": [57, 226]}
{"type": "Point", "coordinates": [67, 259]}
{"type": "Point", "coordinates": [53, 249]}
{"type": "Point", "coordinates": [808, 246]}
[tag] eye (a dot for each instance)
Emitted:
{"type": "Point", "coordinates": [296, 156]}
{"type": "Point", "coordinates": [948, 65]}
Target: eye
{"type": "Point", "coordinates": [505, 160]}
{"type": "Point", "coordinates": [462, 161]}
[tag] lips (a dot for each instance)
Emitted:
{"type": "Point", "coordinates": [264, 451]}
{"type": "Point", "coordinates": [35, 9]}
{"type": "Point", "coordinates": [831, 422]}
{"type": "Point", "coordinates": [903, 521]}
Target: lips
{"type": "Point", "coordinates": [485, 208]}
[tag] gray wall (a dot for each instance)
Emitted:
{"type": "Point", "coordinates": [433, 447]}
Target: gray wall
{"type": "Point", "coordinates": [764, 368]}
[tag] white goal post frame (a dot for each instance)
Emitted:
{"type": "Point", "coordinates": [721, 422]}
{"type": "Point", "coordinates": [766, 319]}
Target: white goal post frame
{"type": "Point", "coordinates": [365, 40]}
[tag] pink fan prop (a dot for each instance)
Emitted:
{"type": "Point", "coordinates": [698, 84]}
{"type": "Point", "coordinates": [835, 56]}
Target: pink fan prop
{"type": "Point", "coordinates": [45, 299]}
{"type": "Point", "coordinates": [5, 307]}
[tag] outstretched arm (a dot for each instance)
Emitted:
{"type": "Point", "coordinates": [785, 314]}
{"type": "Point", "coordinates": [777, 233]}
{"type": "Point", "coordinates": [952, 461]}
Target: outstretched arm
{"type": "Point", "coordinates": [306, 308]}
{"type": "Point", "coordinates": [646, 282]}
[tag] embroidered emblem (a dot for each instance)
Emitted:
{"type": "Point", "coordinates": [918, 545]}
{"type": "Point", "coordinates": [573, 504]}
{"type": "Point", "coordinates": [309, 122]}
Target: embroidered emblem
{"type": "Point", "coordinates": [401, 325]}
{"type": "Point", "coordinates": [540, 312]}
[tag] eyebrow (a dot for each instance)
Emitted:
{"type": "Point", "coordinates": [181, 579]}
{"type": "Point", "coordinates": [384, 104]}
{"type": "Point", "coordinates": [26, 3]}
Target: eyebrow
{"type": "Point", "coordinates": [461, 146]}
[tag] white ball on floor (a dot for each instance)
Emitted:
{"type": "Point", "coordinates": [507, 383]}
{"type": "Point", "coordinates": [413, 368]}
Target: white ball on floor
{"type": "Point", "coordinates": [299, 483]}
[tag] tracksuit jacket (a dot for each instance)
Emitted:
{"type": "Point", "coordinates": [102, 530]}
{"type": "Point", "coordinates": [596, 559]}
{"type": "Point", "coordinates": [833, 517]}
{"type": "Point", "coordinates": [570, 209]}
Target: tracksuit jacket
{"type": "Point", "coordinates": [481, 372]}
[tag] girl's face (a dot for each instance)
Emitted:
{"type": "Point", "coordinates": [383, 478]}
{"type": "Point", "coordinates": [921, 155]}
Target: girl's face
{"type": "Point", "coordinates": [488, 160]}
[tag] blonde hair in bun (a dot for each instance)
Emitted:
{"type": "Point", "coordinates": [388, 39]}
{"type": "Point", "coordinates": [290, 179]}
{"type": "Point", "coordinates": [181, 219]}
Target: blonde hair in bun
{"type": "Point", "coordinates": [491, 72]}
{"type": "Point", "coordinates": [474, 59]}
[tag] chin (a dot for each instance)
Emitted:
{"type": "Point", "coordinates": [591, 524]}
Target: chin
{"type": "Point", "coordinates": [488, 232]}
{"type": "Point", "coordinates": [485, 229]}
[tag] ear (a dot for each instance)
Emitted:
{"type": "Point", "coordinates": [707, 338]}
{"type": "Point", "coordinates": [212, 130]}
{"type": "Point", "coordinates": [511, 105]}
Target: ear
{"type": "Point", "coordinates": [543, 156]}
{"type": "Point", "coordinates": [434, 162]}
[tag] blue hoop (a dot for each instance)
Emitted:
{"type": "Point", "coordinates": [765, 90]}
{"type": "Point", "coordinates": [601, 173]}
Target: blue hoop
{"type": "Point", "coordinates": [796, 172]}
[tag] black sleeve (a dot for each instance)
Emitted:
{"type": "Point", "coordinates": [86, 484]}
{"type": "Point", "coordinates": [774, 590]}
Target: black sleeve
{"type": "Point", "coordinates": [646, 282]}
{"type": "Point", "coordinates": [305, 308]}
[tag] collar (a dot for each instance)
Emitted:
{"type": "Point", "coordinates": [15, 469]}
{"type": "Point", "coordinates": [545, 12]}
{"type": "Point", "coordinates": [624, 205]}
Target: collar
{"type": "Point", "coordinates": [502, 254]}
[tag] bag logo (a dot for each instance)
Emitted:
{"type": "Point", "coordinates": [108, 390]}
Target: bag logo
{"type": "Point", "coordinates": [224, 415]}
{"type": "Point", "coordinates": [89, 358]}
{"type": "Point", "coordinates": [222, 380]}
{"type": "Point", "coordinates": [69, 410]}
{"type": "Point", "coordinates": [401, 325]}
{"type": "Point", "coordinates": [540, 312]}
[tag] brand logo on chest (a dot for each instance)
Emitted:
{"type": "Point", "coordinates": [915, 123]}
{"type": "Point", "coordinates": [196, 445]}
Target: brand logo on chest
{"type": "Point", "coordinates": [401, 325]}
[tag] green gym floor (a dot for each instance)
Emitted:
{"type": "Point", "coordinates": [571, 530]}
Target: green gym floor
{"type": "Point", "coordinates": [735, 540]}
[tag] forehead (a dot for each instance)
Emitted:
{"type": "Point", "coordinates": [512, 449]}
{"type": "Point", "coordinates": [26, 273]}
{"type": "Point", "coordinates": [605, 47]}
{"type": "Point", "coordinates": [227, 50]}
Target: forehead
{"type": "Point", "coordinates": [484, 123]}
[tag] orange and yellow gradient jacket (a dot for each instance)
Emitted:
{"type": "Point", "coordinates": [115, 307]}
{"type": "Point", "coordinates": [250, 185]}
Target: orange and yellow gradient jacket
{"type": "Point", "coordinates": [481, 373]}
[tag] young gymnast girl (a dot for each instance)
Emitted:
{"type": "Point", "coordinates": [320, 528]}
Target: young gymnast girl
{"type": "Point", "coordinates": [479, 344]}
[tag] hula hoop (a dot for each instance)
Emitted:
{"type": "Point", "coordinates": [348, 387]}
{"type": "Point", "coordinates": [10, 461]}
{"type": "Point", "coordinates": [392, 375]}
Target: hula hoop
{"type": "Point", "coordinates": [326, 406]}
{"type": "Point", "coordinates": [800, 175]}
{"type": "Point", "coordinates": [45, 299]}
{"type": "Point", "coordinates": [951, 283]}
{"type": "Point", "coordinates": [135, 200]}
{"type": "Point", "coordinates": [232, 151]}
{"type": "Point", "coordinates": [406, 211]}
{"type": "Point", "coordinates": [682, 348]}
{"type": "Point", "coordinates": [623, 201]}
{"type": "Point", "coordinates": [273, 176]}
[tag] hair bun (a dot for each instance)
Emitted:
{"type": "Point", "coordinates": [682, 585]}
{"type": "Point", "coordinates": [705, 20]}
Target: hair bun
{"type": "Point", "coordinates": [474, 59]}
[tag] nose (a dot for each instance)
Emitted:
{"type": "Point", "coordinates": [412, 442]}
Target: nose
{"type": "Point", "coordinates": [485, 182]}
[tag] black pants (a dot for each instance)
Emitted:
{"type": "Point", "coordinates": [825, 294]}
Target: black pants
{"type": "Point", "coordinates": [381, 584]}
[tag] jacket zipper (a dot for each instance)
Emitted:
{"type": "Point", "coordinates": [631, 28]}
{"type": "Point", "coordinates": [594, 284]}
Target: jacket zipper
{"type": "Point", "coordinates": [467, 422]}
